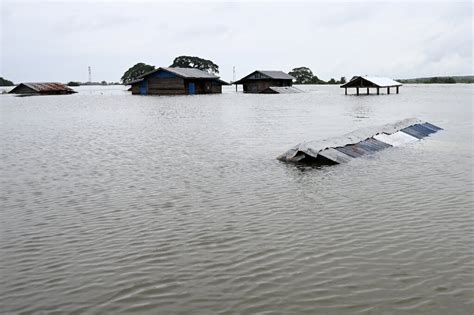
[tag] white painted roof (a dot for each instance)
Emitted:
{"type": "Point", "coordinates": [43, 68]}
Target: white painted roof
{"type": "Point", "coordinates": [378, 81]}
{"type": "Point", "coordinates": [381, 81]}
{"type": "Point", "coordinates": [396, 139]}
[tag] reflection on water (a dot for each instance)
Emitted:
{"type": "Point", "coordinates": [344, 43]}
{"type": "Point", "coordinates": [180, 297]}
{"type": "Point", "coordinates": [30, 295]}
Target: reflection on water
{"type": "Point", "coordinates": [115, 203]}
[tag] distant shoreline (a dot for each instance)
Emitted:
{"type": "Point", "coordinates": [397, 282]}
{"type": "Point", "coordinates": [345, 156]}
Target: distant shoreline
{"type": "Point", "coordinates": [440, 80]}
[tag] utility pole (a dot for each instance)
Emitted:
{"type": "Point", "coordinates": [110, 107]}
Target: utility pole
{"type": "Point", "coordinates": [233, 77]}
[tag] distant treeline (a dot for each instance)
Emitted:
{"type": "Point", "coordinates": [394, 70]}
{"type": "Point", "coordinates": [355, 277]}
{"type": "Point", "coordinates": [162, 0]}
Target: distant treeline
{"type": "Point", "coordinates": [304, 75]}
{"type": "Point", "coordinates": [75, 83]}
{"type": "Point", "coordinates": [442, 80]}
{"type": "Point", "coordinates": [5, 82]}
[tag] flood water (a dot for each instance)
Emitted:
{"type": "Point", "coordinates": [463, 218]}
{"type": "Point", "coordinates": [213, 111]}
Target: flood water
{"type": "Point", "coordinates": [113, 203]}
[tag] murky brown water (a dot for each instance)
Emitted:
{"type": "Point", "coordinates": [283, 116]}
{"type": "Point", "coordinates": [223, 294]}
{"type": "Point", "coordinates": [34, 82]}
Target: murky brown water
{"type": "Point", "coordinates": [113, 203]}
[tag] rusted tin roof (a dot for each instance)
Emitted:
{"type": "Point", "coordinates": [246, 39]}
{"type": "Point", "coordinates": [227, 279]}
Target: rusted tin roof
{"type": "Point", "coordinates": [44, 88]}
{"type": "Point", "coordinates": [48, 86]}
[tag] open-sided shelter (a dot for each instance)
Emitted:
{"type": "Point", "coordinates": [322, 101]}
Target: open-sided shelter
{"type": "Point", "coordinates": [371, 82]}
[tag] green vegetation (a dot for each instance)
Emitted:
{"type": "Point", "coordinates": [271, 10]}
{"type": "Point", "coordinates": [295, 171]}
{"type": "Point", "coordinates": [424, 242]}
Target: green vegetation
{"type": "Point", "coordinates": [5, 82]}
{"type": "Point", "coordinates": [440, 80]}
{"type": "Point", "coordinates": [136, 71]}
{"type": "Point", "coordinates": [73, 83]}
{"type": "Point", "coordinates": [304, 75]}
{"type": "Point", "coordinates": [195, 62]}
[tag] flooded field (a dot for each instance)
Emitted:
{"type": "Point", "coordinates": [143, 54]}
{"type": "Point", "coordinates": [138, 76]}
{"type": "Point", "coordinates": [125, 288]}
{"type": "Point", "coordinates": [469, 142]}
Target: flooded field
{"type": "Point", "coordinates": [113, 203]}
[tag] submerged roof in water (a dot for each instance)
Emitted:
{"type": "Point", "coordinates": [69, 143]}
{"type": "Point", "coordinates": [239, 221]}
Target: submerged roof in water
{"type": "Point", "coordinates": [282, 90]}
{"type": "Point", "coordinates": [45, 87]}
{"type": "Point", "coordinates": [360, 142]}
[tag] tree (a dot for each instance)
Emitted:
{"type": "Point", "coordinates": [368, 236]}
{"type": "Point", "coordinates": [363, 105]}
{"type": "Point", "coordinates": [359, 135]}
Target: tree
{"type": "Point", "coordinates": [332, 81]}
{"type": "Point", "coordinates": [317, 80]}
{"type": "Point", "coordinates": [303, 75]}
{"type": "Point", "coordinates": [73, 83]}
{"type": "Point", "coordinates": [5, 82]}
{"type": "Point", "coordinates": [136, 71]}
{"type": "Point", "coordinates": [195, 62]}
{"type": "Point", "coordinates": [343, 80]}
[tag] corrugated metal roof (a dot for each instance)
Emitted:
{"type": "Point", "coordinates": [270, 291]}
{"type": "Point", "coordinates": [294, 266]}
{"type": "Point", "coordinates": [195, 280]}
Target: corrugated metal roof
{"type": "Point", "coordinates": [188, 73]}
{"type": "Point", "coordinates": [335, 155]}
{"type": "Point", "coordinates": [275, 74]}
{"type": "Point", "coordinates": [378, 81]}
{"type": "Point", "coordinates": [283, 90]}
{"type": "Point", "coordinates": [412, 131]}
{"type": "Point", "coordinates": [191, 73]}
{"type": "Point", "coordinates": [42, 88]}
{"type": "Point", "coordinates": [361, 142]}
{"type": "Point", "coordinates": [272, 74]}
{"type": "Point", "coordinates": [396, 139]}
{"type": "Point", "coordinates": [47, 86]}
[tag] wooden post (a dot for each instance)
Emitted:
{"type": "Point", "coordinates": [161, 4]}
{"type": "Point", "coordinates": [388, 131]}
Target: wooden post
{"type": "Point", "coordinates": [367, 91]}
{"type": "Point", "coordinates": [388, 90]}
{"type": "Point", "coordinates": [345, 90]}
{"type": "Point", "coordinates": [357, 91]}
{"type": "Point", "coordinates": [378, 91]}
{"type": "Point", "coordinates": [397, 89]}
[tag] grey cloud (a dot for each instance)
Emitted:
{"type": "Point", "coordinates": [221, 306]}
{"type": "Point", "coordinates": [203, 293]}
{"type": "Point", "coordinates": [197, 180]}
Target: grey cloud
{"type": "Point", "coordinates": [403, 39]}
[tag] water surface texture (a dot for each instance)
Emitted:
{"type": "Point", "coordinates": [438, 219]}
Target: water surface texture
{"type": "Point", "coordinates": [113, 203]}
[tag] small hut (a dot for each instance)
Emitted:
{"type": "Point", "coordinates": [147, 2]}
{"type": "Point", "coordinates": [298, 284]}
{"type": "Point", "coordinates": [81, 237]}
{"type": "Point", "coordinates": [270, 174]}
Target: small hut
{"type": "Point", "coordinates": [366, 82]}
{"type": "Point", "coordinates": [45, 88]}
{"type": "Point", "coordinates": [177, 81]}
{"type": "Point", "coordinates": [260, 80]}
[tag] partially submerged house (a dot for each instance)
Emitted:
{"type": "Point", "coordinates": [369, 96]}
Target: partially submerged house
{"type": "Point", "coordinates": [177, 81]}
{"type": "Point", "coordinates": [43, 88]}
{"type": "Point", "coordinates": [366, 82]}
{"type": "Point", "coordinates": [260, 80]}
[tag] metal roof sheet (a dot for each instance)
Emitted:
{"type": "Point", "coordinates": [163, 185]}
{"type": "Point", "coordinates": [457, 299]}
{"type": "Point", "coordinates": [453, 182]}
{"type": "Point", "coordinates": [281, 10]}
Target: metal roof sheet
{"type": "Point", "coordinates": [335, 155]}
{"type": "Point", "coordinates": [43, 88]}
{"type": "Point", "coordinates": [188, 73]}
{"type": "Point", "coordinates": [378, 81]}
{"type": "Point", "coordinates": [433, 127]}
{"type": "Point", "coordinates": [47, 86]}
{"type": "Point", "coordinates": [360, 142]}
{"type": "Point", "coordinates": [276, 74]}
{"type": "Point", "coordinates": [395, 139]}
{"type": "Point", "coordinates": [272, 74]}
{"type": "Point", "coordinates": [284, 89]}
{"type": "Point", "coordinates": [414, 132]}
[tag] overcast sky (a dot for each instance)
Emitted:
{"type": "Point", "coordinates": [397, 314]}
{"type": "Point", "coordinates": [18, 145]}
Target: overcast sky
{"type": "Point", "coordinates": [57, 41]}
